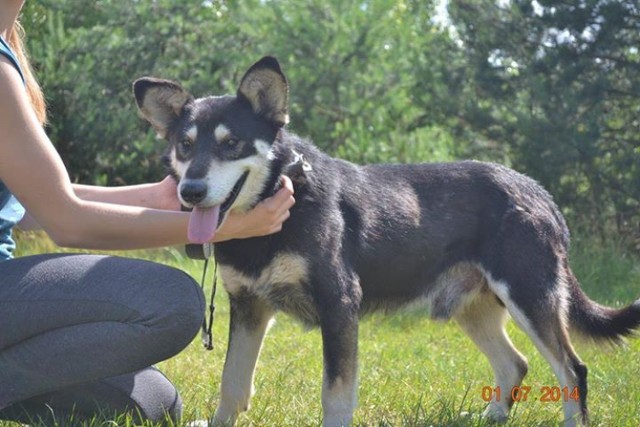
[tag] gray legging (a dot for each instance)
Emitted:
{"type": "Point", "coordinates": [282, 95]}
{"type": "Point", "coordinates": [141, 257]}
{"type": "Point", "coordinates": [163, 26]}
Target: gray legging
{"type": "Point", "coordinates": [78, 334]}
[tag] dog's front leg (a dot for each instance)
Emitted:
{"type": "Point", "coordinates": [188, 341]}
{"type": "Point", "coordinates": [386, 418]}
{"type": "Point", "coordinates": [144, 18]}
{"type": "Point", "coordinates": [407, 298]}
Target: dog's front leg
{"type": "Point", "coordinates": [339, 324]}
{"type": "Point", "coordinates": [249, 321]}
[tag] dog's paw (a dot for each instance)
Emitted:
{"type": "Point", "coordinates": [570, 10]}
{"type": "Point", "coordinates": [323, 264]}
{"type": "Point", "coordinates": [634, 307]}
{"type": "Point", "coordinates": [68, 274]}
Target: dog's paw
{"type": "Point", "coordinates": [495, 413]}
{"type": "Point", "coordinates": [221, 419]}
{"type": "Point", "coordinates": [215, 422]}
{"type": "Point", "coordinates": [337, 420]}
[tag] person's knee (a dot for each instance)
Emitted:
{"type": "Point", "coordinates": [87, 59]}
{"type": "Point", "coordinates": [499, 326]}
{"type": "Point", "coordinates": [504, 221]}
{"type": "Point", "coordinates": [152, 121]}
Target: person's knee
{"type": "Point", "coordinates": [177, 306]}
{"type": "Point", "coordinates": [163, 300]}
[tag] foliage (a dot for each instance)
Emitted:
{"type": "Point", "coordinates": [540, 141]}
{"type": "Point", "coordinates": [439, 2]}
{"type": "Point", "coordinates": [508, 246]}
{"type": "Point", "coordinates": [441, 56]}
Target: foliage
{"type": "Point", "coordinates": [556, 86]}
{"type": "Point", "coordinates": [348, 73]}
{"type": "Point", "coordinates": [551, 88]}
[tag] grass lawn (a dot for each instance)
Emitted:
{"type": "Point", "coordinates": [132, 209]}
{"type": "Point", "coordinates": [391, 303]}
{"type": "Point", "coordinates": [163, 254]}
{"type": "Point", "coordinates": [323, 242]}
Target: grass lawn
{"type": "Point", "coordinates": [413, 372]}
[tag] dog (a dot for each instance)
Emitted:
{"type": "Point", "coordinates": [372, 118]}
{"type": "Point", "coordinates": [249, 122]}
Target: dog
{"type": "Point", "coordinates": [470, 241]}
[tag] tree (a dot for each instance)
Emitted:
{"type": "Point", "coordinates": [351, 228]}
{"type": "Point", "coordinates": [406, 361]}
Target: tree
{"type": "Point", "coordinates": [558, 83]}
{"type": "Point", "coordinates": [347, 65]}
{"type": "Point", "coordinates": [549, 87]}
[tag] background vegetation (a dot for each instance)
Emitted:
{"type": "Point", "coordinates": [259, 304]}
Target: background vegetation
{"type": "Point", "coordinates": [551, 88]}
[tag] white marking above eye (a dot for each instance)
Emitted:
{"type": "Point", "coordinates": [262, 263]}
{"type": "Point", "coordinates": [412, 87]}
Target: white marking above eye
{"type": "Point", "coordinates": [192, 133]}
{"type": "Point", "coordinates": [221, 133]}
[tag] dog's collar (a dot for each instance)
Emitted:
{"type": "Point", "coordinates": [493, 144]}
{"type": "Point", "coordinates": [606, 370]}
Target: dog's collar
{"type": "Point", "coordinates": [298, 168]}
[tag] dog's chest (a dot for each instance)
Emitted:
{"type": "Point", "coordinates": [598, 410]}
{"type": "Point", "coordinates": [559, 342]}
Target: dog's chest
{"type": "Point", "coordinates": [283, 283]}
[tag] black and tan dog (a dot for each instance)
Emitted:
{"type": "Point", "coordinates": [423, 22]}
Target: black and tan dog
{"type": "Point", "coordinates": [471, 241]}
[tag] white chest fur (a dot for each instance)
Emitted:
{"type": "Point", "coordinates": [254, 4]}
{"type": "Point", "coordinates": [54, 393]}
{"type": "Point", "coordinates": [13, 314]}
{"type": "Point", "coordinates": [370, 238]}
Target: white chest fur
{"type": "Point", "coordinates": [286, 269]}
{"type": "Point", "coordinates": [282, 283]}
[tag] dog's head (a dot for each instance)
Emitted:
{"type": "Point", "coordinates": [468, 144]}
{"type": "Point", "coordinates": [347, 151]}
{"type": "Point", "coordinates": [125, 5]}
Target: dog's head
{"type": "Point", "coordinates": [220, 147]}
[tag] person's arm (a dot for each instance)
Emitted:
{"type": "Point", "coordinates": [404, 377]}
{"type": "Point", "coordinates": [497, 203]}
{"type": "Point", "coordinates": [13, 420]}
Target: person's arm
{"type": "Point", "coordinates": [33, 171]}
{"type": "Point", "coordinates": [27, 223]}
{"type": "Point", "coordinates": [266, 218]}
{"type": "Point", "coordinates": [157, 195]}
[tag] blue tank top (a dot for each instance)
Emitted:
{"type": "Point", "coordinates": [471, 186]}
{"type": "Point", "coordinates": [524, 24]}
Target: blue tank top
{"type": "Point", "coordinates": [11, 211]}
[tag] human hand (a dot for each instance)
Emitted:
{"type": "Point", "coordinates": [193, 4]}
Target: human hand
{"type": "Point", "coordinates": [167, 194]}
{"type": "Point", "coordinates": [266, 218]}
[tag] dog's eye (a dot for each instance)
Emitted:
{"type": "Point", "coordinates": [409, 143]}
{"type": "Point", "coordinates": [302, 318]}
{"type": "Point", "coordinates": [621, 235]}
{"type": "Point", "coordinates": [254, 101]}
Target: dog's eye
{"type": "Point", "coordinates": [186, 143]}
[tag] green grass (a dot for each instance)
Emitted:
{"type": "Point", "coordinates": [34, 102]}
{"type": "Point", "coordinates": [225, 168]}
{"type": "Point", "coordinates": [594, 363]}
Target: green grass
{"type": "Point", "coordinates": [413, 372]}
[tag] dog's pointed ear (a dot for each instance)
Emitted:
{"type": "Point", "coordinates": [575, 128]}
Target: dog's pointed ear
{"type": "Point", "coordinates": [160, 101]}
{"type": "Point", "coordinates": [265, 86]}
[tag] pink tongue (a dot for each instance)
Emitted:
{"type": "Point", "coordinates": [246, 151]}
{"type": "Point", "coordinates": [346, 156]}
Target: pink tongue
{"type": "Point", "coordinates": [202, 224]}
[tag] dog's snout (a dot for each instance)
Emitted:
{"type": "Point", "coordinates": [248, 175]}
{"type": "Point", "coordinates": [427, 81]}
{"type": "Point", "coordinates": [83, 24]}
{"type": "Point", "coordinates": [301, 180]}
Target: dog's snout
{"type": "Point", "coordinates": [193, 191]}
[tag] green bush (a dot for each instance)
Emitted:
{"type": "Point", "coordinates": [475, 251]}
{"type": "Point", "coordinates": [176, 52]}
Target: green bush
{"type": "Point", "coordinates": [550, 88]}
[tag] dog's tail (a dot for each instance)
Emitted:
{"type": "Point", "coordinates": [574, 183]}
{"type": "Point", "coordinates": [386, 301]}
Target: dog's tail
{"type": "Point", "coordinates": [601, 323]}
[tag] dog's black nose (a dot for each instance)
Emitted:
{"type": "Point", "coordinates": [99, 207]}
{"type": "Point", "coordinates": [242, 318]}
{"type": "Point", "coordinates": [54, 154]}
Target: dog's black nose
{"type": "Point", "coordinates": [193, 191]}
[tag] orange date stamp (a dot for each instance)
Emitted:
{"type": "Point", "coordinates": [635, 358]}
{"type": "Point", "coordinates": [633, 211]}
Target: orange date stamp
{"type": "Point", "coordinates": [524, 393]}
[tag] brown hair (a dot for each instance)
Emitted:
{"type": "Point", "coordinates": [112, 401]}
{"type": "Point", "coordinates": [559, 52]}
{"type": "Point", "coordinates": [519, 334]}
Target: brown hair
{"type": "Point", "coordinates": [16, 41]}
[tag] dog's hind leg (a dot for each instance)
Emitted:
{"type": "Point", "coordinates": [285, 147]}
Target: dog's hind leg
{"type": "Point", "coordinates": [484, 320]}
{"type": "Point", "coordinates": [543, 318]}
{"type": "Point", "coordinates": [249, 321]}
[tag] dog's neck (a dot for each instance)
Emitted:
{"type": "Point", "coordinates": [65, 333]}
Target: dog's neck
{"type": "Point", "coordinates": [287, 162]}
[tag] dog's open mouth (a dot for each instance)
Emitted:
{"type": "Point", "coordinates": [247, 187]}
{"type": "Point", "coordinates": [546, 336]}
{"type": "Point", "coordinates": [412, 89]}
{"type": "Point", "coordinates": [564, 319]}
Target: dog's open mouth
{"type": "Point", "coordinates": [204, 221]}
